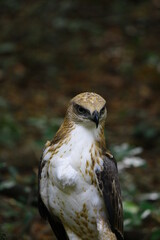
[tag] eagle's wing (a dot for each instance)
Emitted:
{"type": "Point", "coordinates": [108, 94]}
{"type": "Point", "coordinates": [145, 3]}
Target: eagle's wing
{"type": "Point", "coordinates": [108, 184]}
{"type": "Point", "coordinates": [53, 220]}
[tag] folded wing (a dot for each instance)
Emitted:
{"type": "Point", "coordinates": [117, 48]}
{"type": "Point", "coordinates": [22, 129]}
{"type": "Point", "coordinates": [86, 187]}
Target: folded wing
{"type": "Point", "coordinates": [108, 184]}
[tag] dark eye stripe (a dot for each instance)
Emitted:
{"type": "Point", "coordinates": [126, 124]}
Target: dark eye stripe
{"type": "Point", "coordinates": [81, 110]}
{"type": "Point", "coordinates": [102, 110]}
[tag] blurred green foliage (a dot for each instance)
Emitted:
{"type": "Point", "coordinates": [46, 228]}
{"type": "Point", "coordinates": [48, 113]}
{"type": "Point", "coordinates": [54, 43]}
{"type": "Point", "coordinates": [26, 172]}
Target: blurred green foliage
{"type": "Point", "coordinates": [10, 130]}
{"type": "Point", "coordinates": [47, 128]}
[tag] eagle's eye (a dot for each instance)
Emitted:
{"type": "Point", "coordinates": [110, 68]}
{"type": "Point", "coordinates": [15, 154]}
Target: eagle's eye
{"type": "Point", "coordinates": [81, 110]}
{"type": "Point", "coordinates": [102, 110]}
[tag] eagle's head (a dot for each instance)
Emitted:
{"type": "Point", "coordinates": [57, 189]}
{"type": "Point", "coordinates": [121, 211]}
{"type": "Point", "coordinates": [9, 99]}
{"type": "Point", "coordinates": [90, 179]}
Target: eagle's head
{"type": "Point", "coordinates": [87, 109]}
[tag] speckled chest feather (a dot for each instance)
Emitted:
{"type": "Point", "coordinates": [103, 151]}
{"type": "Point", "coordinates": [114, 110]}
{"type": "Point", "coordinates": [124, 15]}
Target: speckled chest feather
{"type": "Point", "coordinates": [68, 181]}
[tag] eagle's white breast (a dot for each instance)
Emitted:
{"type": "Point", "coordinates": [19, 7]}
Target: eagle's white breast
{"type": "Point", "coordinates": [68, 186]}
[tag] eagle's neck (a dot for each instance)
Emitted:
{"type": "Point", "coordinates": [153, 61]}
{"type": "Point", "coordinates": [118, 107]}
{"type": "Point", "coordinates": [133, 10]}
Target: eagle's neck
{"type": "Point", "coordinates": [79, 147]}
{"type": "Point", "coordinates": [89, 135]}
{"type": "Point", "coordinates": [70, 130]}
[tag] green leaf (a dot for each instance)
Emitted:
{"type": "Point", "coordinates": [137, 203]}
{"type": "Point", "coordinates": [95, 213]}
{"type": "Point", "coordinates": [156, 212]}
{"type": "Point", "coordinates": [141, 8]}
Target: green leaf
{"type": "Point", "coordinates": [155, 234]}
{"type": "Point", "coordinates": [130, 207]}
{"type": "Point", "coordinates": [7, 185]}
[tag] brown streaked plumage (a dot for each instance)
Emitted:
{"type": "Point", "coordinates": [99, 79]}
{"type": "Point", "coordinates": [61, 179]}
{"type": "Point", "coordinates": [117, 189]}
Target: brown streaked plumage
{"type": "Point", "coordinates": [79, 190]}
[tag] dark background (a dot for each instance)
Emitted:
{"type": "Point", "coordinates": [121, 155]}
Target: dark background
{"type": "Point", "coordinates": [49, 52]}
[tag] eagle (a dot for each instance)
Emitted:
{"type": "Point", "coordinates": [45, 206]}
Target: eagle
{"type": "Point", "coordinates": [79, 190]}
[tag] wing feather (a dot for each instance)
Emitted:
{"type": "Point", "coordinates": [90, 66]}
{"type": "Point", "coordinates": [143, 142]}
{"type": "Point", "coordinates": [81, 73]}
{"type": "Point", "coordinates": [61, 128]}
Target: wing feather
{"type": "Point", "coordinates": [53, 220]}
{"type": "Point", "coordinates": [108, 183]}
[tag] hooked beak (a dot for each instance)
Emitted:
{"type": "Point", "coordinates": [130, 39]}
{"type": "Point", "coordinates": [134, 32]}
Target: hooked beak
{"type": "Point", "coordinates": [95, 118]}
